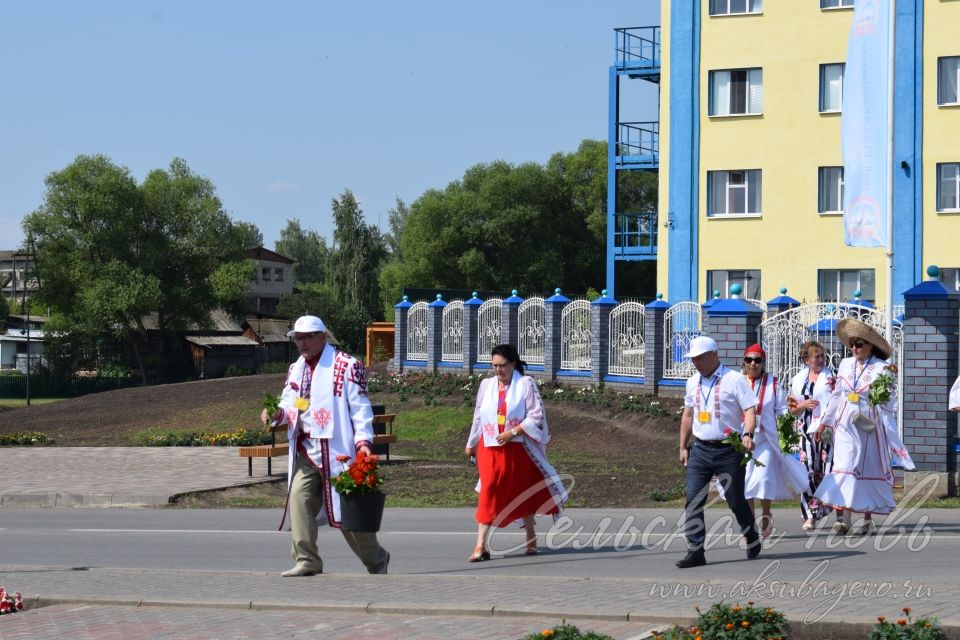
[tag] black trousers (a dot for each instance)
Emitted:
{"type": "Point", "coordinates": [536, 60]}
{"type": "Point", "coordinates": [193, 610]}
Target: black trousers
{"type": "Point", "coordinates": [703, 463]}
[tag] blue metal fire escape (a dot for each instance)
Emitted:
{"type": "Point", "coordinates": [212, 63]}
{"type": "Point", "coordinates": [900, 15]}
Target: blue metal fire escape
{"type": "Point", "coordinates": [632, 146]}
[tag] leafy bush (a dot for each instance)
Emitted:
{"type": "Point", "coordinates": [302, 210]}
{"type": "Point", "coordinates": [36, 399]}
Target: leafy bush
{"type": "Point", "coordinates": [431, 384]}
{"type": "Point", "coordinates": [675, 492]}
{"type": "Point", "coordinates": [233, 371]}
{"type": "Point", "coordinates": [907, 629]}
{"type": "Point", "coordinates": [273, 367]}
{"type": "Point", "coordinates": [566, 632]}
{"type": "Point", "coordinates": [725, 621]}
{"type": "Point", "coordinates": [171, 438]}
{"type": "Point", "coordinates": [23, 438]}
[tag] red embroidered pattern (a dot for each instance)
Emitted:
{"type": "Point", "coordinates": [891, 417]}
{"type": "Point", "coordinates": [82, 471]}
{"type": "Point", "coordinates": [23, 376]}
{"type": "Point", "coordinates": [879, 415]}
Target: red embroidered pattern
{"type": "Point", "coordinates": [339, 368]}
{"type": "Point", "coordinates": [358, 376]}
{"type": "Point", "coordinates": [322, 417]}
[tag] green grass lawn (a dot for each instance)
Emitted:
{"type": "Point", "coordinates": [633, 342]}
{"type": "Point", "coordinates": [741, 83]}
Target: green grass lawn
{"type": "Point", "coordinates": [17, 403]}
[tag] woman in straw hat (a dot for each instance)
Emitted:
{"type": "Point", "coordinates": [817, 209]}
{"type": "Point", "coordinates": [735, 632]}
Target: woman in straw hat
{"type": "Point", "coordinates": [865, 437]}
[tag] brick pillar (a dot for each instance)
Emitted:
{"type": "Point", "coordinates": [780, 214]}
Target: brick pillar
{"type": "Point", "coordinates": [733, 324]}
{"type": "Point", "coordinates": [931, 330]}
{"type": "Point", "coordinates": [653, 344]}
{"type": "Point", "coordinates": [510, 320]}
{"type": "Point", "coordinates": [600, 310]}
{"type": "Point", "coordinates": [552, 336]}
{"type": "Point", "coordinates": [471, 311]}
{"type": "Point", "coordinates": [781, 303]}
{"type": "Point", "coordinates": [435, 333]}
{"type": "Point", "coordinates": [400, 334]}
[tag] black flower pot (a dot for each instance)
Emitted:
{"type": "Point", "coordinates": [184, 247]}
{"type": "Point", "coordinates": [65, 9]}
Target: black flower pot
{"type": "Point", "coordinates": [361, 511]}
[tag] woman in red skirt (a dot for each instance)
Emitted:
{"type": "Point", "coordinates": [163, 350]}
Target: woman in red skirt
{"type": "Point", "coordinates": [509, 437]}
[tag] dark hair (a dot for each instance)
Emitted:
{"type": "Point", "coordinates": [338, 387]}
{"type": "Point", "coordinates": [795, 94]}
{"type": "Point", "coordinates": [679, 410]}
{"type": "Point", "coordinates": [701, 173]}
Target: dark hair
{"type": "Point", "coordinates": [509, 352]}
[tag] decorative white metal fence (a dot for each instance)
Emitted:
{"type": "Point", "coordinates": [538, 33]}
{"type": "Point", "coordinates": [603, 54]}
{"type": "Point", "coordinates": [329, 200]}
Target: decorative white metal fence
{"type": "Point", "coordinates": [488, 327]}
{"type": "Point", "coordinates": [530, 324]}
{"type": "Point", "coordinates": [681, 324]}
{"type": "Point", "coordinates": [626, 339]}
{"type": "Point", "coordinates": [417, 333]}
{"type": "Point", "coordinates": [575, 331]}
{"type": "Point", "coordinates": [453, 332]}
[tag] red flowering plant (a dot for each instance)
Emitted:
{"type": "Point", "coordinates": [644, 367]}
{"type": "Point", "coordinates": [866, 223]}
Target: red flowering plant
{"type": "Point", "coordinates": [361, 476]}
{"type": "Point", "coordinates": [733, 439]}
{"type": "Point", "coordinates": [10, 603]}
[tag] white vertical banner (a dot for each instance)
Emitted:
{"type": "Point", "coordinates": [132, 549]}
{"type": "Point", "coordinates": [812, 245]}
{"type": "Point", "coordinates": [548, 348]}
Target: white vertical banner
{"type": "Point", "coordinates": [866, 125]}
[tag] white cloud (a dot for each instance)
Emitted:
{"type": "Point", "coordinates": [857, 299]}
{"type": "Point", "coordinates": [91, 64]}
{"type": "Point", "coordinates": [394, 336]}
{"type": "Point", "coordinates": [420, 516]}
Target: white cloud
{"type": "Point", "coordinates": [281, 185]}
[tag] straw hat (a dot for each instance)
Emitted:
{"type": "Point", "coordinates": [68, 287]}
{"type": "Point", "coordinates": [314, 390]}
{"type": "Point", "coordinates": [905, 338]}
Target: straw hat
{"type": "Point", "coordinates": [850, 329]}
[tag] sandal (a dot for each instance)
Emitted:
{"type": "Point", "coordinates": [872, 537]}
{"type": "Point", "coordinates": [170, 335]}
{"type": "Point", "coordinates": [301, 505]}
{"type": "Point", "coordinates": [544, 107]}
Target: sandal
{"type": "Point", "coordinates": [766, 525]}
{"type": "Point", "coordinates": [809, 524]}
{"type": "Point", "coordinates": [479, 555]}
{"type": "Point", "coordinates": [531, 547]}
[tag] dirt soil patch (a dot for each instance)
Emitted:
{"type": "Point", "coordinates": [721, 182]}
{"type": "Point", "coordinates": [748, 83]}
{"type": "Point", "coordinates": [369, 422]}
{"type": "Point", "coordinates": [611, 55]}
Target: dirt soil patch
{"type": "Point", "coordinates": [616, 458]}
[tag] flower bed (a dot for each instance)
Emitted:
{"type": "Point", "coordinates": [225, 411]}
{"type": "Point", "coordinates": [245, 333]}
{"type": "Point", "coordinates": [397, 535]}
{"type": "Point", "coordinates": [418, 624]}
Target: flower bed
{"type": "Point", "coordinates": [10, 603]}
{"type": "Point", "coordinates": [238, 438]}
{"type": "Point", "coordinates": [23, 438]}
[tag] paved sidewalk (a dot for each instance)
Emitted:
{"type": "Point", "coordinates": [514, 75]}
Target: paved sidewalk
{"type": "Point", "coordinates": [120, 476]}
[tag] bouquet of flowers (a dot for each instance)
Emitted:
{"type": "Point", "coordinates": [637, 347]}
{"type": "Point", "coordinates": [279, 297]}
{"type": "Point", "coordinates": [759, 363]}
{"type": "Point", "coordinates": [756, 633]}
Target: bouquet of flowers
{"type": "Point", "coordinates": [271, 403]}
{"type": "Point", "coordinates": [361, 476]}
{"type": "Point", "coordinates": [882, 386]}
{"type": "Point", "coordinates": [787, 433]}
{"type": "Point", "coordinates": [732, 438]}
{"type": "Point", "coordinates": [10, 603]}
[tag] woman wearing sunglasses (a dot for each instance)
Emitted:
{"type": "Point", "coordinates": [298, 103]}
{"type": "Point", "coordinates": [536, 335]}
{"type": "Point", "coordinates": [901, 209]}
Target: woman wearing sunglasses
{"type": "Point", "coordinates": [810, 391]}
{"type": "Point", "coordinates": [781, 477]}
{"type": "Point", "coordinates": [865, 437]}
{"type": "Point", "coordinates": [509, 438]}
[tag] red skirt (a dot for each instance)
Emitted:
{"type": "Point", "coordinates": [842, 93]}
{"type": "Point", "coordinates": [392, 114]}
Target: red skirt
{"type": "Point", "coordinates": [511, 486]}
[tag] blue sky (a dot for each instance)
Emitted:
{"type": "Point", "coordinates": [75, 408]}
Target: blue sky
{"type": "Point", "coordinates": [284, 105]}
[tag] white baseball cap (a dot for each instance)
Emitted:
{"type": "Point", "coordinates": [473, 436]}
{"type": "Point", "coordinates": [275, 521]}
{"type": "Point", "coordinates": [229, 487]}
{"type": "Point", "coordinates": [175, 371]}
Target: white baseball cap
{"type": "Point", "coordinates": [307, 324]}
{"type": "Point", "coordinates": [701, 345]}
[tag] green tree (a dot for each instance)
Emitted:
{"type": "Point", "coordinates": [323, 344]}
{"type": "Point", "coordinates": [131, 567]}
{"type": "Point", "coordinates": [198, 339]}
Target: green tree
{"type": "Point", "coordinates": [307, 248]}
{"type": "Point", "coordinates": [397, 220]}
{"type": "Point", "coordinates": [355, 260]}
{"type": "Point", "coordinates": [4, 311]}
{"type": "Point", "coordinates": [111, 253]}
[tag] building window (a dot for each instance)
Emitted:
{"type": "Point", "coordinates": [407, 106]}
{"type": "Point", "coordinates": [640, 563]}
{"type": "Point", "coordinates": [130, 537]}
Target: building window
{"type": "Point", "coordinates": [838, 285]}
{"type": "Point", "coordinates": [736, 91]}
{"type": "Point", "coordinates": [948, 186]}
{"type": "Point", "coordinates": [730, 7]}
{"type": "Point", "coordinates": [950, 278]}
{"type": "Point", "coordinates": [265, 274]}
{"type": "Point", "coordinates": [949, 74]}
{"type": "Point", "coordinates": [831, 87]}
{"type": "Point", "coordinates": [831, 190]}
{"type": "Point", "coordinates": [835, 4]}
{"type": "Point", "coordinates": [720, 280]}
{"type": "Point", "coordinates": [733, 192]}
{"type": "Point", "coordinates": [278, 275]}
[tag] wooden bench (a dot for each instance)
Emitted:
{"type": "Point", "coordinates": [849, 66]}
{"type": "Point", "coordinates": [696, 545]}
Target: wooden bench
{"type": "Point", "coordinates": [268, 451]}
{"type": "Point", "coordinates": [383, 431]}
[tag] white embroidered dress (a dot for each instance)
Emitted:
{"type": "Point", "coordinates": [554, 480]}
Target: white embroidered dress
{"type": "Point", "coordinates": [782, 477]}
{"type": "Point", "coordinates": [337, 417]}
{"type": "Point", "coordinates": [862, 475]}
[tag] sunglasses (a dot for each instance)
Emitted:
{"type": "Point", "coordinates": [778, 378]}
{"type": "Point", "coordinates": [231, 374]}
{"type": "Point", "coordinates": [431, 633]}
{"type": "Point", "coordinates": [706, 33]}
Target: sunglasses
{"type": "Point", "coordinates": [858, 344]}
{"type": "Point", "coordinates": [750, 360]}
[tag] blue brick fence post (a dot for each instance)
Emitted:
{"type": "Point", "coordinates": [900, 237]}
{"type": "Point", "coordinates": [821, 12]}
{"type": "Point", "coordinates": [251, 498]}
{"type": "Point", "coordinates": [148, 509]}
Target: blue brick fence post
{"type": "Point", "coordinates": [553, 336]}
{"type": "Point", "coordinates": [733, 324]}
{"type": "Point", "coordinates": [653, 344]}
{"type": "Point", "coordinates": [781, 303]}
{"type": "Point", "coordinates": [510, 320]}
{"type": "Point", "coordinates": [931, 331]}
{"type": "Point", "coordinates": [600, 310]}
{"type": "Point", "coordinates": [400, 334]}
{"type": "Point", "coordinates": [435, 333]}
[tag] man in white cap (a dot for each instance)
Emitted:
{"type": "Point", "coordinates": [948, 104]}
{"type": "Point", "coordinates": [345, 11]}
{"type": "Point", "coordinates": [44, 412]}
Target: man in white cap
{"type": "Point", "coordinates": [718, 402]}
{"type": "Point", "coordinates": [325, 407]}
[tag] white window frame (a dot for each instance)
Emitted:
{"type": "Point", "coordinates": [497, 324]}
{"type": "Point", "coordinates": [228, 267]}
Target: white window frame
{"type": "Point", "coordinates": [955, 179]}
{"type": "Point", "coordinates": [720, 96]}
{"type": "Point", "coordinates": [822, 177]}
{"type": "Point", "coordinates": [836, 295]}
{"type": "Point", "coordinates": [836, 4]}
{"type": "Point", "coordinates": [722, 7]}
{"type": "Point", "coordinates": [823, 86]}
{"type": "Point", "coordinates": [955, 62]}
{"type": "Point", "coordinates": [747, 181]}
{"type": "Point", "coordinates": [749, 279]}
